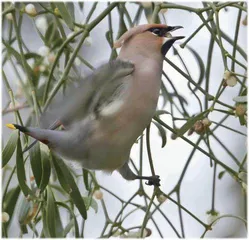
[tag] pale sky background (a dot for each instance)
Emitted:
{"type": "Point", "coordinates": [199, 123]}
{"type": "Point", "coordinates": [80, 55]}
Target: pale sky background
{"type": "Point", "coordinates": [196, 188]}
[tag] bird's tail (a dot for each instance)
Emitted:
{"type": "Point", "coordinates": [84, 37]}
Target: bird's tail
{"type": "Point", "coordinates": [33, 132]}
{"type": "Point", "coordinates": [37, 133]}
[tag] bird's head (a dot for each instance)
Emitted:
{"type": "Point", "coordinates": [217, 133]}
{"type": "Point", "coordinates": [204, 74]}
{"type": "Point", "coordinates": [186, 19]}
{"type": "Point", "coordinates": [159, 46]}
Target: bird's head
{"type": "Point", "coordinates": [155, 37]}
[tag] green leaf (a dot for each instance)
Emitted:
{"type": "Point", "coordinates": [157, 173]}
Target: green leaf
{"type": "Point", "coordinates": [70, 7]}
{"type": "Point", "coordinates": [31, 55]}
{"type": "Point", "coordinates": [49, 33]}
{"type": "Point", "coordinates": [201, 66]}
{"type": "Point", "coordinates": [244, 92]}
{"type": "Point", "coordinates": [76, 226]}
{"type": "Point", "coordinates": [162, 133]}
{"type": "Point", "coordinates": [23, 210]}
{"type": "Point", "coordinates": [64, 184]}
{"type": "Point", "coordinates": [94, 205]}
{"type": "Point", "coordinates": [10, 202]}
{"type": "Point", "coordinates": [35, 161]}
{"type": "Point", "coordinates": [81, 5]}
{"type": "Point", "coordinates": [21, 170]}
{"type": "Point", "coordinates": [45, 230]}
{"type": "Point", "coordinates": [165, 94]}
{"type": "Point", "coordinates": [65, 14]}
{"type": "Point", "coordinates": [57, 43]}
{"type": "Point", "coordinates": [85, 177]}
{"type": "Point", "coordinates": [148, 13]}
{"type": "Point", "coordinates": [24, 229]}
{"type": "Point", "coordinates": [59, 228]}
{"type": "Point", "coordinates": [9, 148]}
{"type": "Point", "coordinates": [108, 38]}
{"type": "Point", "coordinates": [13, 52]}
{"type": "Point", "coordinates": [68, 228]}
{"type": "Point", "coordinates": [46, 171]}
{"type": "Point", "coordinates": [50, 213]}
{"type": "Point", "coordinates": [242, 120]}
{"type": "Point", "coordinates": [74, 191]}
{"type": "Point", "coordinates": [90, 202]}
{"type": "Point", "coordinates": [18, 58]}
{"type": "Point", "coordinates": [180, 98]}
{"type": "Point", "coordinates": [221, 174]}
{"type": "Point", "coordinates": [161, 112]}
{"type": "Point", "coordinates": [52, 35]}
{"type": "Point", "coordinates": [122, 26]}
{"type": "Point", "coordinates": [190, 123]}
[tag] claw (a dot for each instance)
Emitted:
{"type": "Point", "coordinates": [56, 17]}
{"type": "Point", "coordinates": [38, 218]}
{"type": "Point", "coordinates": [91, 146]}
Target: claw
{"type": "Point", "coordinates": [154, 180]}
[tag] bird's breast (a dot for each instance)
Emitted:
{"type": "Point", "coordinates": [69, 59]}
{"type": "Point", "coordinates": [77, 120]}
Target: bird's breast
{"type": "Point", "coordinates": [139, 105]}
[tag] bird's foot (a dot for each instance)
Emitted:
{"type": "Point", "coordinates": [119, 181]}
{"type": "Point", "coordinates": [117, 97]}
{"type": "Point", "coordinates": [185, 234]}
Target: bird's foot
{"type": "Point", "coordinates": [153, 180]}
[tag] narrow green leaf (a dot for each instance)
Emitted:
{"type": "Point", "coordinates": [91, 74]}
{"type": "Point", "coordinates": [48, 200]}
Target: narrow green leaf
{"type": "Point", "coordinates": [122, 25]}
{"type": "Point", "coordinates": [81, 5]}
{"type": "Point", "coordinates": [25, 210]}
{"type": "Point", "coordinates": [31, 55]}
{"type": "Point", "coordinates": [64, 184]}
{"type": "Point", "coordinates": [242, 120]}
{"type": "Point", "coordinates": [17, 56]}
{"type": "Point", "coordinates": [76, 226]}
{"type": "Point", "coordinates": [162, 133]}
{"type": "Point", "coordinates": [49, 33]}
{"type": "Point", "coordinates": [148, 13]}
{"type": "Point", "coordinates": [74, 191]}
{"type": "Point", "coordinates": [35, 161]}
{"type": "Point", "coordinates": [21, 170]}
{"type": "Point", "coordinates": [160, 112]}
{"type": "Point", "coordinates": [94, 205]}
{"type": "Point", "coordinates": [180, 98]}
{"type": "Point", "coordinates": [10, 202]}
{"type": "Point", "coordinates": [46, 170]}
{"type": "Point", "coordinates": [56, 44]}
{"type": "Point", "coordinates": [50, 213]}
{"type": "Point", "coordinates": [201, 66]}
{"type": "Point", "coordinates": [70, 7]}
{"type": "Point", "coordinates": [52, 34]}
{"type": "Point", "coordinates": [108, 38]}
{"type": "Point", "coordinates": [165, 94]}
{"type": "Point", "coordinates": [190, 123]}
{"type": "Point", "coordinates": [9, 148]}
{"type": "Point", "coordinates": [13, 52]}
{"type": "Point", "coordinates": [68, 228]}
{"type": "Point", "coordinates": [221, 174]}
{"type": "Point", "coordinates": [244, 92]}
{"type": "Point", "coordinates": [24, 229]}
{"type": "Point", "coordinates": [65, 14]}
{"type": "Point", "coordinates": [90, 202]}
{"type": "Point", "coordinates": [58, 224]}
{"type": "Point", "coordinates": [45, 230]}
{"type": "Point", "coordinates": [85, 177]}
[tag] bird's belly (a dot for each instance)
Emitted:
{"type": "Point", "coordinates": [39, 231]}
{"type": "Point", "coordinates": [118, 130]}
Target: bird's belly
{"type": "Point", "coordinates": [106, 154]}
{"type": "Point", "coordinates": [141, 106]}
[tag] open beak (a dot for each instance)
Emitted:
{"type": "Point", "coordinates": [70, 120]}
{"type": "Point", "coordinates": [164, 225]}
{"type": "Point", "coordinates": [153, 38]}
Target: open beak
{"type": "Point", "coordinates": [169, 39]}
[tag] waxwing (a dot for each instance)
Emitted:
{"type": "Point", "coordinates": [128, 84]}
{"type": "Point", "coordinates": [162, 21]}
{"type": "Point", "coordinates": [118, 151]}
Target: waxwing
{"type": "Point", "coordinates": [104, 115]}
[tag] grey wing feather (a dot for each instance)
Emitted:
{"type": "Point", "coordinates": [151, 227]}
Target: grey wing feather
{"type": "Point", "coordinates": [91, 92]}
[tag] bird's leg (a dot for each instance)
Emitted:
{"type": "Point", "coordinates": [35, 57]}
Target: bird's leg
{"type": "Point", "coordinates": [127, 174]}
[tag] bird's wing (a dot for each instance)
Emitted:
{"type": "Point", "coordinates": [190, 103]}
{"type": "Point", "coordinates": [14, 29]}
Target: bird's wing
{"type": "Point", "coordinates": [92, 95]}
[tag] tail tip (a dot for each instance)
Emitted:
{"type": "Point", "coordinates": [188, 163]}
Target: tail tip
{"type": "Point", "coordinates": [11, 126]}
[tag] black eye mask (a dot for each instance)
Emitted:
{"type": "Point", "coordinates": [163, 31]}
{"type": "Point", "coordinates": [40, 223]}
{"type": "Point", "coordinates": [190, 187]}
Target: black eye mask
{"type": "Point", "coordinates": [161, 32]}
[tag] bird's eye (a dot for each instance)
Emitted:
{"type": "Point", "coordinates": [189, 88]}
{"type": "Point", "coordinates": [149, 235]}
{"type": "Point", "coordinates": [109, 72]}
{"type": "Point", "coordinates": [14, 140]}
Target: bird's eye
{"type": "Point", "coordinates": [155, 31]}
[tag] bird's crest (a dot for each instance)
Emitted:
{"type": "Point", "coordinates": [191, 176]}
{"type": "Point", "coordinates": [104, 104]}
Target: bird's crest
{"type": "Point", "coordinates": [134, 31]}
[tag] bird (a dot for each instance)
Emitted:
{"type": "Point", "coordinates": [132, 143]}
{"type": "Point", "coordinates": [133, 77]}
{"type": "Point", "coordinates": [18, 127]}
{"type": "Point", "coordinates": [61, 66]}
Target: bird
{"type": "Point", "coordinates": [105, 114]}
